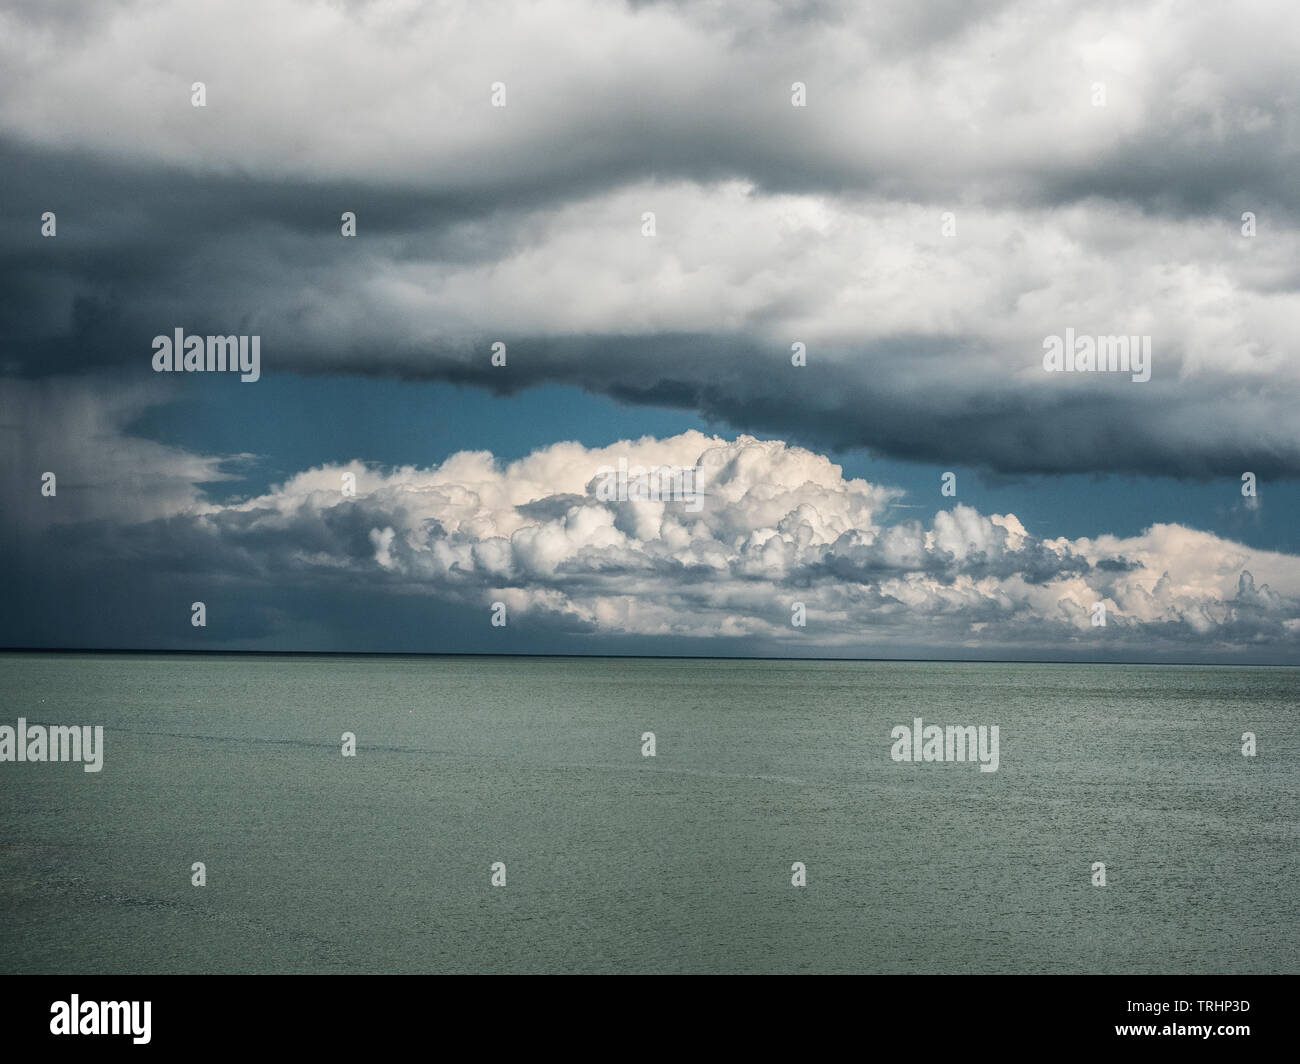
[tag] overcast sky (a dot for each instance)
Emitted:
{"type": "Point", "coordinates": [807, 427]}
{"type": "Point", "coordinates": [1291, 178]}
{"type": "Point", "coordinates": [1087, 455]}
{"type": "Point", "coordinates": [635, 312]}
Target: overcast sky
{"type": "Point", "coordinates": [963, 181]}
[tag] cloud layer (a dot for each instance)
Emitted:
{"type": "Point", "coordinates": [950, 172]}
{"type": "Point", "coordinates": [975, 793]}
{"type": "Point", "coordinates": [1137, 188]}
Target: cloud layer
{"type": "Point", "coordinates": [822, 225]}
{"type": "Point", "coordinates": [775, 525]}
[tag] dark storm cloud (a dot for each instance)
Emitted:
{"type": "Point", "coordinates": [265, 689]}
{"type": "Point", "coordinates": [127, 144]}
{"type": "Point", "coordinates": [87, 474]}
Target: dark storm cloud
{"type": "Point", "coordinates": [775, 224]}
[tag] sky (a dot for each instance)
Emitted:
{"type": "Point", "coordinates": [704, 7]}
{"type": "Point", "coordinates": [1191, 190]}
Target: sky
{"type": "Point", "coordinates": [817, 254]}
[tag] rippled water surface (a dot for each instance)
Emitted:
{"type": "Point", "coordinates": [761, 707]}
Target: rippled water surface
{"type": "Point", "coordinates": [616, 862]}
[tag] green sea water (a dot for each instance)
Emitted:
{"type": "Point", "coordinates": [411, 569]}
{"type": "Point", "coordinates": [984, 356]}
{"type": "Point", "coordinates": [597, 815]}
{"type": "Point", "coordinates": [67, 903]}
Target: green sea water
{"type": "Point", "coordinates": [616, 862]}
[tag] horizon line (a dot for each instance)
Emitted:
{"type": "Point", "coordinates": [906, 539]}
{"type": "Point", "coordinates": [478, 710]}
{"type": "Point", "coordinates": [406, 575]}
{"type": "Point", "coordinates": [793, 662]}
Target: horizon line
{"type": "Point", "coordinates": [632, 657]}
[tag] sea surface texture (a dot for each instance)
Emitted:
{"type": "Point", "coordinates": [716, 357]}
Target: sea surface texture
{"type": "Point", "coordinates": [619, 862]}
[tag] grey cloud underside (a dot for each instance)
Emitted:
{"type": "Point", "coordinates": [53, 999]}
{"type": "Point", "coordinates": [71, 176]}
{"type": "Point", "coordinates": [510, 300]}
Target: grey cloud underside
{"type": "Point", "coordinates": [221, 221]}
{"type": "Point", "coordinates": [213, 256]}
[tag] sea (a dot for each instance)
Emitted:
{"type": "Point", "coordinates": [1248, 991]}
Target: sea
{"type": "Point", "coordinates": [504, 814]}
